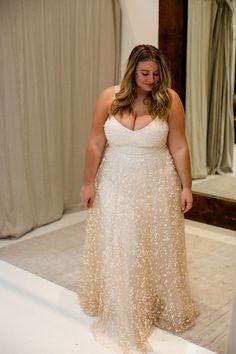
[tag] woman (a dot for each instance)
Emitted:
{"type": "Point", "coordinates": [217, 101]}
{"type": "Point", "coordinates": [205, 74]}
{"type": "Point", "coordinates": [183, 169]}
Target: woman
{"type": "Point", "coordinates": [137, 186]}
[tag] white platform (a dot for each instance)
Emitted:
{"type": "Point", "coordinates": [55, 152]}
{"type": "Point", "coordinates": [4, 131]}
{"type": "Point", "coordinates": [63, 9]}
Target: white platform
{"type": "Point", "coordinates": [40, 317]}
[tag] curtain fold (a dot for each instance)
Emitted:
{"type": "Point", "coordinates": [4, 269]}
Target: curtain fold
{"type": "Point", "coordinates": [220, 132]}
{"type": "Point", "coordinates": [200, 14]}
{"type": "Point", "coordinates": [55, 58]}
{"type": "Point", "coordinates": [209, 118]}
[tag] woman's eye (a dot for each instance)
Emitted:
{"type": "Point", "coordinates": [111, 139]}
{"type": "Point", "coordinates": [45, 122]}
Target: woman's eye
{"type": "Point", "coordinates": [157, 74]}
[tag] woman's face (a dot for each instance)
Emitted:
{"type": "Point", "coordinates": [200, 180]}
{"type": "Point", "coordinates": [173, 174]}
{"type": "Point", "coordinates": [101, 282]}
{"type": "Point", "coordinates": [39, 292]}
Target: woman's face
{"type": "Point", "coordinates": [146, 75]}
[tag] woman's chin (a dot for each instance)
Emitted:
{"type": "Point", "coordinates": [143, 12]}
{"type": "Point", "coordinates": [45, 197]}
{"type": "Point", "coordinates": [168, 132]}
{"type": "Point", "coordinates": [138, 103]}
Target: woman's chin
{"type": "Point", "coordinates": [145, 88]}
{"type": "Point", "coordinates": [148, 88]}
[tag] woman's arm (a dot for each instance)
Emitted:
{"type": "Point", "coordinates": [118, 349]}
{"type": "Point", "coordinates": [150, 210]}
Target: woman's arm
{"type": "Point", "coordinates": [95, 147]}
{"type": "Point", "coordinates": [179, 149]}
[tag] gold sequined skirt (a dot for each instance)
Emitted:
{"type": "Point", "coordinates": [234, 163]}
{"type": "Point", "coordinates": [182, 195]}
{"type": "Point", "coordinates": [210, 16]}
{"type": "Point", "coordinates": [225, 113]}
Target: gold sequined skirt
{"type": "Point", "coordinates": [133, 272]}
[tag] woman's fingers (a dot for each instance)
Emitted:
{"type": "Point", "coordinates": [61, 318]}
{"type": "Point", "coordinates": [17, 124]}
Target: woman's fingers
{"type": "Point", "coordinates": [186, 205]}
{"type": "Point", "coordinates": [186, 200]}
{"type": "Point", "coordinates": [87, 195]}
{"type": "Point", "coordinates": [183, 205]}
{"type": "Point", "coordinates": [90, 203]}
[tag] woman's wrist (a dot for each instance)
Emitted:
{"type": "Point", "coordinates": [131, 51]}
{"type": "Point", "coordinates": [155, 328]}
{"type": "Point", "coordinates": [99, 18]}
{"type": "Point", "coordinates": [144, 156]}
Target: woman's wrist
{"type": "Point", "coordinates": [89, 183]}
{"type": "Point", "coordinates": [189, 188]}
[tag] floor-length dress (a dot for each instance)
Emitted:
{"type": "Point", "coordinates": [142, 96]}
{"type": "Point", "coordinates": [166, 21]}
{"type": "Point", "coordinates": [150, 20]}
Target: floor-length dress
{"type": "Point", "coordinates": [133, 273]}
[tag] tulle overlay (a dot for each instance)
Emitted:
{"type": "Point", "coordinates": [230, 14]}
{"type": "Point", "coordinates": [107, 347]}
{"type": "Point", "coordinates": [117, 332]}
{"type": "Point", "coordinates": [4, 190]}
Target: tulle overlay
{"type": "Point", "coordinates": [133, 273]}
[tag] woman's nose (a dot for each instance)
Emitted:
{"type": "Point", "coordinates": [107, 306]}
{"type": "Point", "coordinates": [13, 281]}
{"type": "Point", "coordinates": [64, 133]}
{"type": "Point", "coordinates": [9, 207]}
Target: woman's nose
{"type": "Point", "coordinates": [151, 79]}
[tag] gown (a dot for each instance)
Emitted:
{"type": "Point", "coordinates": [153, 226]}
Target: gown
{"type": "Point", "coordinates": [133, 272]}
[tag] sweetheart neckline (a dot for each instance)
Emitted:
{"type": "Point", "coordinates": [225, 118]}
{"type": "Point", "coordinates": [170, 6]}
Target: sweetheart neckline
{"type": "Point", "coordinates": [132, 131]}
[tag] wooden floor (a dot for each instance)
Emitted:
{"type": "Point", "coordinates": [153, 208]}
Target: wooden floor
{"type": "Point", "coordinates": [215, 199]}
{"type": "Point", "coordinates": [213, 210]}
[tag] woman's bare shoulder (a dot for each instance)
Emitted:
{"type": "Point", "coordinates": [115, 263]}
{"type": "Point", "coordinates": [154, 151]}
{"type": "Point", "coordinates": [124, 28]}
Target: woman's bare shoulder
{"type": "Point", "coordinates": [174, 95]}
{"type": "Point", "coordinates": [176, 113]}
{"type": "Point", "coordinates": [109, 92]}
{"type": "Point", "coordinates": [107, 95]}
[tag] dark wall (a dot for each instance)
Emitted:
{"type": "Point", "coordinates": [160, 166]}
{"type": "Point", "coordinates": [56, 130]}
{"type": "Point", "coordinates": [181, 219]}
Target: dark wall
{"type": "Point", "coordinates": [173, 40]}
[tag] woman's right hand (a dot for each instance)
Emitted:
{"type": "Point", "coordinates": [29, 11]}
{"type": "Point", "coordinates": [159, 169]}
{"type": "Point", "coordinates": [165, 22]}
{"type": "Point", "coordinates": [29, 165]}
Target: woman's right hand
{"type": "Point", "coordinates": [87, 195]}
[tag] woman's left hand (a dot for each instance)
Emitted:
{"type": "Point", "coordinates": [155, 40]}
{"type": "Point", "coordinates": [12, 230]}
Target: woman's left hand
{"type": "Point", "coordinates": [186, 200]}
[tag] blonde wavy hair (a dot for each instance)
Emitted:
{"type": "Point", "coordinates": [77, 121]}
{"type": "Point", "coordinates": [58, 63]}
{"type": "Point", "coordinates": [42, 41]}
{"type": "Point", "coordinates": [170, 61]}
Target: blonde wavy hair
{"type": "Point", "coordinates": [159, 99]}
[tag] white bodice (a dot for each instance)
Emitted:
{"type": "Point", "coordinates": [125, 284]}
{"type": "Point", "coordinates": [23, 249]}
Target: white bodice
{"type": "Point", "coordinates": [153, 135]}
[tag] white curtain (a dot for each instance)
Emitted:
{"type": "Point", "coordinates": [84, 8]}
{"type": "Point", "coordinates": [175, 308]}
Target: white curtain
{"type": "Point", "coordinates": [55, 58]}
{"type": "Point", "coordinates": [201, 110]}
{"type": "Point", "coordinates": [220, 131]}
